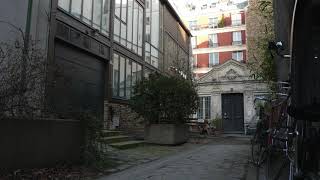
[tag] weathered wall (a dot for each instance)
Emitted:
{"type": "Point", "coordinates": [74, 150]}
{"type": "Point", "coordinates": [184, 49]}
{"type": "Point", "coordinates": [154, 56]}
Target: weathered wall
{"type": "Point", "coordinates": [39, 143]}
{"type": "Point", "coordinates": [129, 121]}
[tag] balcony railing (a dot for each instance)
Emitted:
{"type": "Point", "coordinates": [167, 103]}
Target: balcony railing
{"type": "Point", "coordinates": [235, 43]}
{"type": "Point", "coordinates": [236, 23]}
{"type": "Point", "coordinates": [209, 26]}
{"type": "Point", "coordinates": [213, 45]}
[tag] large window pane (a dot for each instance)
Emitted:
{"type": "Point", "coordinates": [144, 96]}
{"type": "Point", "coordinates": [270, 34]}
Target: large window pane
{"type": "Point", "coordinates": [115, 75]}
{"type": "Point", "coordinates": [129, 24]}
{"type": "Point", "coordinates": [147, 53]}
{"type": "Point", "coordinates": [87, 11]}
{"type": "Point", "coordinates": [204, 110]}
{"type": "Point", "coordinates": [213, 59]}
{"type": "Point", "coordinates": [213, 40]}
{"type": "Point", "coordinates": [116, 30]}
{"type": "Point", "coordinates": [64, 4]}
{"type": "Point", "coordinates": [128, 78]}
{"type": "Point", "coordinates": [122, 76]}
{"type": "Point", "coordinates": [105, 16]}
{"type": "Point", "coordinates": [155, 23]}
{"type": "Point", "coordinates": [139, 72]}
{"type": "Point", "coordinates": [76, 8]}
{"type": "Point", "coordinates": [148, 21]}
{"type": "Point", "coordinates": [140, 33]}
{"type": "Point", "coordinates": [117, 8]}
{"type": "Point", "coordinates": [123, 34]}
{"type": "Point", "coordinates": [134, 73]}
{"type": "Point", "coordinates": [97, 7]}
{"type": "Point", "coordinates": [154, 57]}
{"type": "Point", "coordinates": [236, 37]}
{"type": "Point", "coordinates": [124, 11]}
{"type": "Point", "coordinates": [135, 23]}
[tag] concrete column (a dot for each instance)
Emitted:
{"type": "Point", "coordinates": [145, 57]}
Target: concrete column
{"type": "Point", "coordinates": [249, 110]}
{"type": "Point", "coordinates": [216, 105]}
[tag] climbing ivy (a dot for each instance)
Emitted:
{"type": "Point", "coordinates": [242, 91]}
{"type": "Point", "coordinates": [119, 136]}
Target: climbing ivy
{"type": "Point", "coordinates": [262, 65]}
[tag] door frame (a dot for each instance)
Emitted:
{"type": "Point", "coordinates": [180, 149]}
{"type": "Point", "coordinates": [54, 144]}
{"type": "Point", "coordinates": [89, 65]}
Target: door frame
{"type": "Point", "coordinates": [222, 111]}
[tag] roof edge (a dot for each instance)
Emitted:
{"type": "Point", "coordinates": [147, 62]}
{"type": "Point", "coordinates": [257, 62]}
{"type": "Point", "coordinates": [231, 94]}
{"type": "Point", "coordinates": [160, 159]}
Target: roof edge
{"type": "Point", "coordinates": [176, 15]}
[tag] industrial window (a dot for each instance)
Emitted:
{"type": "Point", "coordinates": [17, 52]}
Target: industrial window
{"type": "Point", "coordinates": [204, 110]}
{"type": "Point", "coordinates": [238, 55]}
{"type": "Point", "coordinates": [126, 73]}
{"type": "Point", "coordinates": [128, 25]}
{"type": "Point", "coordinates": [87, 11]}
{"type": "Point", "coordinates": [236, 37]}
{"type": "Point", "coordinates": [213, 59]}
{"type": "Point", "coordinates": [213, 40]}
{"type": "Point", "coordinates": [152, 35]}
{"type": "Point", "coordinates": [64, 4]}
{"type": "Point", "coordinates": [95, 13]}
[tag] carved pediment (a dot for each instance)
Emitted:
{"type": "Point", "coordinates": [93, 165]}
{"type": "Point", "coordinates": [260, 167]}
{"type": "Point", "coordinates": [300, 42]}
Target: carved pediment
{"type": "Point", "coordinates": [231, 74]}
{"type": "Point", "coordinates": [228, 71]}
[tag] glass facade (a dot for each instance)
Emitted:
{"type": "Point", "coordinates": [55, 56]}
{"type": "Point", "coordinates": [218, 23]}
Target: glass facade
{"type": "Point", "coordinates": [152, 36]}
{"type": "Point", "coordinates": [126, 73]}
{"type": "Point", "coordinates": [128, 25]}
{"type": "Point", "coordinates": [95, 13]}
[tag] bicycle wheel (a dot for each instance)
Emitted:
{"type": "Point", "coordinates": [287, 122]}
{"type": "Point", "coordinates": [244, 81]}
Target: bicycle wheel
{"type": "Point", "coordinates": [258, 151]}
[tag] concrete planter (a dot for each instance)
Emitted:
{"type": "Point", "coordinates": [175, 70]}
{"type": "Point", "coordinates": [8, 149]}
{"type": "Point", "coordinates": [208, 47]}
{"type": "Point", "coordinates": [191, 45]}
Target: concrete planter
{"type": "Point", "coordinates": [168, 134]}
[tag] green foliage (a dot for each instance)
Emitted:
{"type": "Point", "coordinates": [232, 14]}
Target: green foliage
{"type": "Point", "coordinates": [217, 122]}
{"type": "Point", "coordinates": [161, 99]}
{"type": "Point", "coordinates": [263, 65]}
{"type": "Point", "coordinates": [221, 23]}
{"type": "Point", "coordinates": [92, 155]}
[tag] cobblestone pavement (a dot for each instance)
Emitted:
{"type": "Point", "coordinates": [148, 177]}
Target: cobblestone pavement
{"type": "Point", "coordinates": [225, 158]}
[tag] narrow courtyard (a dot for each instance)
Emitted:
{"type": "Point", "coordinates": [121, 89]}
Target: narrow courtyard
{"type": "Point", "coordinates": [223, 158]}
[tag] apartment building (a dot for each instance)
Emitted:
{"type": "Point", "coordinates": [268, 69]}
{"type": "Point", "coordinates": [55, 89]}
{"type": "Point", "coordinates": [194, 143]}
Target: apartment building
{"type": "Point", "coordinates": [219, 49]}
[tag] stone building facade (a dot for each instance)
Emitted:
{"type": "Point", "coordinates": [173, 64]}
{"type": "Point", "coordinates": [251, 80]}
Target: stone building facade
{"type": "Point", "coordinates": [229, 93]}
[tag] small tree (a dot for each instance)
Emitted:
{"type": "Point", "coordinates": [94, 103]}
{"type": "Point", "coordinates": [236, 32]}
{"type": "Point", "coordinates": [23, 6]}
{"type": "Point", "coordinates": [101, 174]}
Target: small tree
{"type": "Point", "coordinates": [22, 76]}
{"type": "Point", "coordinates": [170, 99]}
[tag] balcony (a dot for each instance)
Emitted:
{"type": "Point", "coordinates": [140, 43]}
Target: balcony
{"type": "Point", "coordinates": [236, 43]}
{"type": "Point", "coordinates": [236, 23]}
{"type": "Point", "coordinates": [212, 26]}
{"type": "Point", "coordinates": [213, 45]}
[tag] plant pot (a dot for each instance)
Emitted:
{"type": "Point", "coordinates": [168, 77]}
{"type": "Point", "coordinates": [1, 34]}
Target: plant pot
{"type": "Point", "coordinates": [167, 134]}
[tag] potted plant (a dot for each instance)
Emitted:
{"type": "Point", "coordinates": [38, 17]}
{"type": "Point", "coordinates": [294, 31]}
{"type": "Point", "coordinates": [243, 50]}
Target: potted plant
{"type": "Point", "coordinates": [165, 102]}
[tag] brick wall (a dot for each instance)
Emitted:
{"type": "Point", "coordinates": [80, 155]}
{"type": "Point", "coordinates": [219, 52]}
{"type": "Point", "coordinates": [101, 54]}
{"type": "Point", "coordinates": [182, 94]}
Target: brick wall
{"type": "Point", "coordinates": [202, 60]}
{"type": "Point", "coordinates": [225, 39]}
{"type": "Point", "coordinates": [225, 56]}
{"type": "Point", "coordinates": [243, 37]}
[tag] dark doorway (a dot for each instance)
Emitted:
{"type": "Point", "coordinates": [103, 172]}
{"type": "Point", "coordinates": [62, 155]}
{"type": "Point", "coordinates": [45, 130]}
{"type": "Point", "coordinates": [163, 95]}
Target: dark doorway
{"type": "Point", "coordinates": [79, 82]}
{"type": "Point", "coordinates": [232, 113]}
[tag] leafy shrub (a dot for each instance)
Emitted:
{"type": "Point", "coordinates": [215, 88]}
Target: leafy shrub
{"type": "Point", "coordinates": [160, 99]}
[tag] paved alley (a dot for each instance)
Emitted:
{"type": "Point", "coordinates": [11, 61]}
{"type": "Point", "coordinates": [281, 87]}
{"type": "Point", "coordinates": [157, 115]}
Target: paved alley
{"type": "Point", "coordinates": [222, 159]}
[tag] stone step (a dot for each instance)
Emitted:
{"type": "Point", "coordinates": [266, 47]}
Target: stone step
{"type": "Point", "coordinates": [127, 144]}
{"type": "Point", "coordinates": [115, 139]}
{"type": "Point", "coordinates": [107, 133]}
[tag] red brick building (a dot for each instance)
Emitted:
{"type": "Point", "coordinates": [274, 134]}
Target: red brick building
{"type": "Point", "coordinates": [219, 33]}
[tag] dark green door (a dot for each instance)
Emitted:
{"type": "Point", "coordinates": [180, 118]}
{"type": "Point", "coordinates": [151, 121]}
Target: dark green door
{"type": "Point", "coordinates": [232, 113]}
